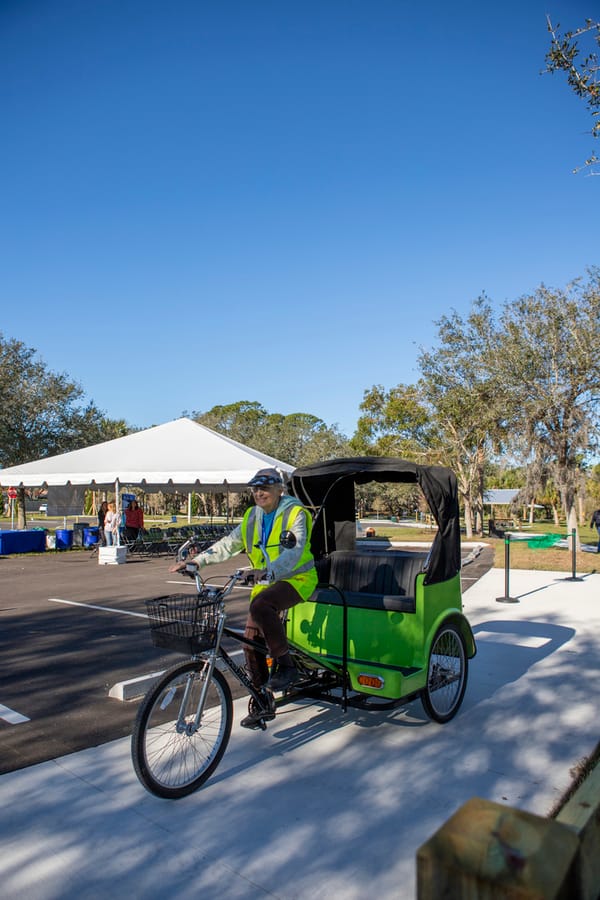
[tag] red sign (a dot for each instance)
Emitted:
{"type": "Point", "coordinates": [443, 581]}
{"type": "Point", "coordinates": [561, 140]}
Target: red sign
{"type": "Point", "coordinates": [12, 493]}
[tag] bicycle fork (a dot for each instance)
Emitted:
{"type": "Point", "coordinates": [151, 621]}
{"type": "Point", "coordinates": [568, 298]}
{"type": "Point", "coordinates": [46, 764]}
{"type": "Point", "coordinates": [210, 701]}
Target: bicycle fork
{"type": "Point", "coordinates": [183, 726]}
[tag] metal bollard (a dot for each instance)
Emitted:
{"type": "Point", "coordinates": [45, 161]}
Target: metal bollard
{"type": "Point", "coordinates": [574, 576]}
{"type": "Point", "coordinates": [507, 598]}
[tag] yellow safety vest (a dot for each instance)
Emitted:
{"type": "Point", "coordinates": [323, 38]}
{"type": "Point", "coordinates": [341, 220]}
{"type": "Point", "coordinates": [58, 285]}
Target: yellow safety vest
{"type": "Point", "coordinates": [303, 577]}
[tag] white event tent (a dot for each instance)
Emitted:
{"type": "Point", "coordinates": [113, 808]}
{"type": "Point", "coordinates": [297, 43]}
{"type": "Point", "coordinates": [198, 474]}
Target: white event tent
{"type": "Point", "coordinates": [177, 456]}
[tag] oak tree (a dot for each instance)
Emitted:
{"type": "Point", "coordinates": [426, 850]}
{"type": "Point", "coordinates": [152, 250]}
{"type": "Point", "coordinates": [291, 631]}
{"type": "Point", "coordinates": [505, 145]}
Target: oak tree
{"type": "Point", "coordinates": [43, 412]}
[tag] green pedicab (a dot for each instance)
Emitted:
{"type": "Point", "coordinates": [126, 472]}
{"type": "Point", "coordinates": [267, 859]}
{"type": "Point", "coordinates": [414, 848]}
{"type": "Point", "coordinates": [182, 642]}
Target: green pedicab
{"type": "Point", "coordinates": [384, 622]}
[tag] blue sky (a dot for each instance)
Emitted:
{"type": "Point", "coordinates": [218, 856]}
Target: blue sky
{"type": "Point", "coordinates": [206, 202]}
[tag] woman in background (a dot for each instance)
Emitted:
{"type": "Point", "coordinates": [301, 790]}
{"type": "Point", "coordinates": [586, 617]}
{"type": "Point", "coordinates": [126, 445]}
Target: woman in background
{"type": "Point", "coordinates": [112, 520]}
{"type": "Point", "coordinates": [134, 520]}
{"type": "Point", "coordinates": [101, 517]}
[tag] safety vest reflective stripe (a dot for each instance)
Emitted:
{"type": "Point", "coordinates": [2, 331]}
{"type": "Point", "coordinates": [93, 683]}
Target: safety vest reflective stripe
{"type": "Point", "coordinates": [249, 532]}
{"type": "Point", "coordinates": [286, 518]}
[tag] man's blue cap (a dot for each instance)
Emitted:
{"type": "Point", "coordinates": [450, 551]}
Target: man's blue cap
{"type": "Point", "coordinates": [265, 477]}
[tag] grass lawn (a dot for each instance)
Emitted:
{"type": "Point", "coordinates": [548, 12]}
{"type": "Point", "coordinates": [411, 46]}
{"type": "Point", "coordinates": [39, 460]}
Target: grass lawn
{"type": "Point", "coordinates": [550, 559]}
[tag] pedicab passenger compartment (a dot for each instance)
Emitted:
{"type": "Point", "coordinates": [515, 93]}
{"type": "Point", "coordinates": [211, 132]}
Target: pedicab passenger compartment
{"type": "Point", "coordinates": [376, 593]}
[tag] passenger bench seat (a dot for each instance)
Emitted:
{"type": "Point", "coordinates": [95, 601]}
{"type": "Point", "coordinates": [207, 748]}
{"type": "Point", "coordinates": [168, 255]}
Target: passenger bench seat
{"type": "Point", "coordinates": [372, 580]}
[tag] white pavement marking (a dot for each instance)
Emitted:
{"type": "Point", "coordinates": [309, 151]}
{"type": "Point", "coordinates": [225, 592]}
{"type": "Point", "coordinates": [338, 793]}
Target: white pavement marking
{"type": "Point", "coordinates": [12, 717]}
{"type": "Point", "coordinates": [134, 687]}
{"type": "Point", "coordinates": [124, 612]}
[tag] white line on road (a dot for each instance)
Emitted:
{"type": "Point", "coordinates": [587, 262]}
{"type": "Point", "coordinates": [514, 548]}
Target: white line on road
{"type": "Point", "coordinates": [12, 717]}
{"type": "Point", "coordinates": [124, 612]}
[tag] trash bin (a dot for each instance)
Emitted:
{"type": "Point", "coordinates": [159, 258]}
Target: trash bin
{"type": "Point", "coordinates": [90, 536]}
{"type": "Point", "coordinates": [78, 530]}
{"type": "Point", "coordinates": [64, 539]}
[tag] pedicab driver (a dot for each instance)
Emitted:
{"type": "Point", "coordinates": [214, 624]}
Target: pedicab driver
{"type": "Point", "coordinates": [291, 570]}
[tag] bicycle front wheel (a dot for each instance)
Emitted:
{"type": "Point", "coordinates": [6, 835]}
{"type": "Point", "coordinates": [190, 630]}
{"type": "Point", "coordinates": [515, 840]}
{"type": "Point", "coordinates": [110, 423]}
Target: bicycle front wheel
{"type": "Point", "coordinates": [171, 757]}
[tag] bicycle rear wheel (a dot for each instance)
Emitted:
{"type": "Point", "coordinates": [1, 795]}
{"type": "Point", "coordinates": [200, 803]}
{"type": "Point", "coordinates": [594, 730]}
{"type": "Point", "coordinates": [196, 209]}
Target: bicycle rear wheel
{"type": "Point", "coordinates": [170, 757]}
{"type": "Point", "coordinates": [447, 675]}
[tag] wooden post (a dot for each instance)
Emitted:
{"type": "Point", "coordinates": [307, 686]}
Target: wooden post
{"type": "Point", "coordinates": [487, 851]}
{"type": "Point", "coordinates": [582, 815]}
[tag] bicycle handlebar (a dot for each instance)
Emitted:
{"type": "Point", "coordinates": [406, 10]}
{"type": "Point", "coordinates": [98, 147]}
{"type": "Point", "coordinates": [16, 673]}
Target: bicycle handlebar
{"type": "Point", "coordinates": [215, 593]}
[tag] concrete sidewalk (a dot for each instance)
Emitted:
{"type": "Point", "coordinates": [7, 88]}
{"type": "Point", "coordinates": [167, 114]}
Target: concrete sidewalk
{"type": "Point", "coordinates": [325, 804]}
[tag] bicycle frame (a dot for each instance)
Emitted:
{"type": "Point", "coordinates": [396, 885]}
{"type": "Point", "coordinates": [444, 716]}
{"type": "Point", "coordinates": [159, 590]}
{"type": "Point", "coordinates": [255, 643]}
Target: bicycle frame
{"type": "Point", "coordinates": [320, 686]}
{"type": "Point", "coordinates": [217, 652]}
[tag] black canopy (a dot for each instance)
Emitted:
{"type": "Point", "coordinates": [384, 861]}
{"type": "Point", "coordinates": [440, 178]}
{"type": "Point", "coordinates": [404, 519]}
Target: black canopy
{"type": "Point", "coordinates": [327, 488]}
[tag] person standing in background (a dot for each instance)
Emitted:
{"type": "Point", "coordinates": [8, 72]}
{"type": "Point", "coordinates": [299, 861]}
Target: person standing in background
{"type": "Point", "coordinates": [134, 520]}
{"type": "Point", "coordinates": [101, 517]}
{"type": "Point", "coordinates": [596, 521]}
{"type": "Point", "coordinates": [112, 520]}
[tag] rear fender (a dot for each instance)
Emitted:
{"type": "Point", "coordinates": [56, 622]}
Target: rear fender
{"type": "Point", "coordinates": [460, 622]}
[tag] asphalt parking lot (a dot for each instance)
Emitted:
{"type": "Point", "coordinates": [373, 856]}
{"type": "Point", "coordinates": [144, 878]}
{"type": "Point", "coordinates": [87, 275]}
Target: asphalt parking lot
{"type": "Point", "coordinates": [70, 629]}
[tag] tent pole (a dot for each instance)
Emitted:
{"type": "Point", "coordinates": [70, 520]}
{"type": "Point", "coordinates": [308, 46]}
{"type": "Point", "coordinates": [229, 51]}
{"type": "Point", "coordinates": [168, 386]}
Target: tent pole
{"type": "Point", "coordinates": [118, 508]}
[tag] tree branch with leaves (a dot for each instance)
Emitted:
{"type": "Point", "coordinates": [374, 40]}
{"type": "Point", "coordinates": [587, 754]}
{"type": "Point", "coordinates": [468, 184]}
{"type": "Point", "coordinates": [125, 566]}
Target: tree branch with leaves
{"type": "Point", "coordinates": [581, 68]}
{"type": "Point", "coordinates": [43, 412]}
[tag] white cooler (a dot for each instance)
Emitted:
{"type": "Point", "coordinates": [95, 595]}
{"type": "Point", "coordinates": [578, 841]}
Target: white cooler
{"type": "Point", "coordinates": [112, 556]}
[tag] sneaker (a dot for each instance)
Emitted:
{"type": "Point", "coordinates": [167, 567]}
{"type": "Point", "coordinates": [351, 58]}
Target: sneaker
{"type": "Point", "coordinates": [253, 721]}
{"type": "Point", "coordinates": [258, 716]}
{"type": "Point", "coordinates": [284, 677]}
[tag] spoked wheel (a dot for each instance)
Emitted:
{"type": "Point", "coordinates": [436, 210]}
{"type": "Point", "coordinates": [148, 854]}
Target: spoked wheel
{"type": "Point", "coordinates": [170, 755]}
{"type": "Point", "coordinates": [446, 676]}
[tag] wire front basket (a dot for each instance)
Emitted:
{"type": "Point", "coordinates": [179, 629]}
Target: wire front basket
{"type": "Point", "coordinates": [183, 622]}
